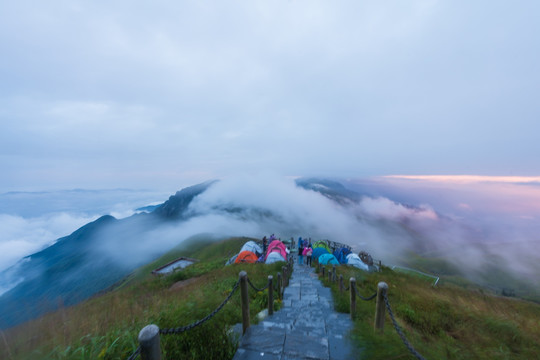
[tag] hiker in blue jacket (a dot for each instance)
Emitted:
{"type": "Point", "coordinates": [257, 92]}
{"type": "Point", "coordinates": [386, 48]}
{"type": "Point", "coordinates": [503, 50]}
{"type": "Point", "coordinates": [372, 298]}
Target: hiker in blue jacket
{"type": "Point", "coordinates": [300, 250]}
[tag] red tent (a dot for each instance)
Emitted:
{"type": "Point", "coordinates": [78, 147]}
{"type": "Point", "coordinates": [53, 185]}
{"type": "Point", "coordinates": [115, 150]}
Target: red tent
{"type": "Point", "coordinates": [246, 257]}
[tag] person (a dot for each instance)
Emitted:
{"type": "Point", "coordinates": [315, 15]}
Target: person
{"type": "Point", "coordinates": [309, 244]}
{"type": "Point", "coordinates": [309, 253]}
{"type": "Point", "coordinates": [265, 244]}
{"type": "Point", "coordinates": [300, 252]}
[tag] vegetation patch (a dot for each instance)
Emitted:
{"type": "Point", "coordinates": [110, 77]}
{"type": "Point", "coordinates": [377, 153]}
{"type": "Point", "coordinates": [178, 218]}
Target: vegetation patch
{"type": "Point", "coordinates": [106, 327]}
{"type": "Point", "coordinates": [443, 322]}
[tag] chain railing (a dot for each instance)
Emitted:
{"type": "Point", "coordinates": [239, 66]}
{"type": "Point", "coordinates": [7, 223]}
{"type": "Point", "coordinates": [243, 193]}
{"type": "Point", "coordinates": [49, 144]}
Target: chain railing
{"type": "Point", "coordinates": [256, 288]}
{"type": "Point", "coordinates": [399, 331]}
{"type": "Point", "coordinates": [149, 342]}
{"type": "Point", "coordinates": [181, 329]}
{"type": "Point", "coordinates": [381, 303]}
{"type": "Point", "coordinates": [364, 298]}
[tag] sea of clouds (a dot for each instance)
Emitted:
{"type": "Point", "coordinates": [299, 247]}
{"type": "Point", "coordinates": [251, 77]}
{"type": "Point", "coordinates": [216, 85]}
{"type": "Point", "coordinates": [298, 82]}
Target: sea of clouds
{"type": "Point", "coordinates": [471, 224]}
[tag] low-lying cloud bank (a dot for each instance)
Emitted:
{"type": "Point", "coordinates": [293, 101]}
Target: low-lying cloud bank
{"type": "Point", "coordinates": [20, 237]}
{"type": "Point", "coordinates": [476, 226]}
{"type": "Point", "coordinates": [32, 221]}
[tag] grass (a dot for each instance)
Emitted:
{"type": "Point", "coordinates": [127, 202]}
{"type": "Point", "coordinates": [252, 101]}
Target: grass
{"type": "Point", "coordinates": [444, 322]}
{"type": "Point", "coordinates": [449, 321]}
{"type": "Point", "coordinates": [106, 327]}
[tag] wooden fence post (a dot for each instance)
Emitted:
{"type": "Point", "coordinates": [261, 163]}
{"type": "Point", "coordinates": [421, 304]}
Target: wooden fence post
{"type": "Point", "coordinates": [334, 273]}
{"type": "Point", "coordinates": [352, 289]}
{"type": "Point", "coordinates": [323, 271]}
{"type": "Point", "coordinates": [329, 276]}
{"type": "Point", "coordinates": [245, 300]}
{"type": "Point", "coordinates": [340, 283]}
{"type": "Point", "coordinates": [279, 280]}
{"type": "Point", "coordinates": [149, 342]}
{"type": "Point", "coordinates": [270, 295]}
{"type": "Point", "coordinates": [382, 288]}
{"type": "Point", "coordinates": [285, 276]}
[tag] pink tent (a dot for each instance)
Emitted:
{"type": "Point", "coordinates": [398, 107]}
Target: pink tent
{"type": "Point", "coordinates": [277, 246]}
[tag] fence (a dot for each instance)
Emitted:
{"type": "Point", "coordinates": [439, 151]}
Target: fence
{"type": "Point", "coordinates": [382, 304]}
{"type": "Point", "coordinates": [149, 337]}
{"type": "Point", "coordinates": [419, 272]}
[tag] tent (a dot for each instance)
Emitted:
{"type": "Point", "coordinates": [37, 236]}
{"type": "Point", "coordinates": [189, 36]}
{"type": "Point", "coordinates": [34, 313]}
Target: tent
{"type": "Point", "coordinates": [253, 247]}
{"type": "Point", "coordinates": [277, 246]}
{"type": "Point", "coordinates": [318, 252]}
{"type": "Point", "coordinates": [354, 260]}
{"type": "Point", "coordinates": [326, 259]}
{"type": "Point", "coordinates": [246, 257]}
{"type": "Point", "coordinates": [341, 254]}
{"type": "Point", "coordinates": [274, 257]}
{"type": "Point", "coordinates": [321, 244]}
{"type": "Point", "coordinates": [231, 260]}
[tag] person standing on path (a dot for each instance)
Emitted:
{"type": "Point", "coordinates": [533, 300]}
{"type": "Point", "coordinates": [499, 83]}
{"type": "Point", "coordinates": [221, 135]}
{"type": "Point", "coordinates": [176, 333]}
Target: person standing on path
{"type": "Point", "coordinates": [300, 252]}
{"type": "Point", "coordinates": [309, 253]}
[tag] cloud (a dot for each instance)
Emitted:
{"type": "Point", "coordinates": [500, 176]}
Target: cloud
{"type": "Point", "coordinates": [23, 236]}
{"type": "Point", "coordinates": [181, 92]}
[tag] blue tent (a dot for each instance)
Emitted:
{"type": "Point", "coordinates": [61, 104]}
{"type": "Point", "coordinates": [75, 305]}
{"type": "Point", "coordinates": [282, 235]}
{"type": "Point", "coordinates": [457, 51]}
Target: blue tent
{"type": "Point", "coordinates": [341, 254]}
{"type": "Point", "coordinates": [326, 259]}
{"type": "Point", "coordinates": [318, 252]}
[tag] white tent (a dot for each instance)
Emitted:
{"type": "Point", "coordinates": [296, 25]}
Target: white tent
{"type": "Point", "coordinates": [253, 247]}
{"type": "Point", "coordinates": [231, 260]}
{"type": "Point", "coordinates": [274, 257]}
{"type": "Point", "coordinates": [354, 260]}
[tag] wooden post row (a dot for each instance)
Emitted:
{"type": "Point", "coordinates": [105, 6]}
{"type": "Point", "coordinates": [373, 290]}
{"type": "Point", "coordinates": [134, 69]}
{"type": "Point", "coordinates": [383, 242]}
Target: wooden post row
{"type": "Point", "coordinates": [279, 280]}
{"type": "Point", "coordinates": [380, 307]}
{"type": "Point", "coordinates": [245, 300]}
{"type": "Point", "coordinates": [270, 295]}
{"type": "Point", "coordinates": [352, 290]}
{"type": "Point", "coordinates": [149, 342]}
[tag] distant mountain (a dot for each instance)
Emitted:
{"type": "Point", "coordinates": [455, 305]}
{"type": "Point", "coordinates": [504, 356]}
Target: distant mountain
{"type": "Point", "coordinates": [331, 189]}
{"type": "Point", "coordinates": [69, 271]}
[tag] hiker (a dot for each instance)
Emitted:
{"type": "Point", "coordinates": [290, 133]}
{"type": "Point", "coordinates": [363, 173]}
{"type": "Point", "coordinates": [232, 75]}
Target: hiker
{"type": "Point", "coordinates": [307, 253]}
{"type": "Point", "coordinates": [265, 244]}
{"type": "Point", "coordinates": [309, 244]}
{"type": "Point", "coordinates": [300, 253]}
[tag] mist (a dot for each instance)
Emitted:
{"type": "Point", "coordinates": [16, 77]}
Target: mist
{"type": "Point", "coordinates": [473, 226]}
{"type": "Point", "coordinates": [476, 226]}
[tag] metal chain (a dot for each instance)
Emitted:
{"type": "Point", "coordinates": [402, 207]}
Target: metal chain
{"type": "Point", "coordinates": [255, 288]}
{"type": "Point", "coordinates": [181, 329]}
{"type": "Point", "coordinates": [398, 330]}
{"type": "Point", "coordinates": [363, 298]}
{"type": "Point", "coordinates": [348, 288]}
{"type": "Point", "coordinates": [135, 354]}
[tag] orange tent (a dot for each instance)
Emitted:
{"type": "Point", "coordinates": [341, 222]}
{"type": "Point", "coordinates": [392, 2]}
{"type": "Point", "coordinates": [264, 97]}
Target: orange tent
{"type": "Point", "coordinates": [246, 257]}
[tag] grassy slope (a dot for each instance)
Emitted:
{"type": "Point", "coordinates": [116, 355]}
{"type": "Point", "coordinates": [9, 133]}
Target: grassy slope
{"type": "Point", "coordinates": [444, 322]}
{"type": "Point", "coordinates": [106, 327]}
{"type": "Point", "coordinates": [447, 322]}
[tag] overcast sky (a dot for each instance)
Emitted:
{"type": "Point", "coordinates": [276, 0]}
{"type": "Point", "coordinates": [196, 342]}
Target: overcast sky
{"type": "Point", "coordinates": [101, 94]}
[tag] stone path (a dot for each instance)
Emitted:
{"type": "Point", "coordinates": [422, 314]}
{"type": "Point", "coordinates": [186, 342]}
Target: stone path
{"type": "Point", "coordinates": [307, 327]}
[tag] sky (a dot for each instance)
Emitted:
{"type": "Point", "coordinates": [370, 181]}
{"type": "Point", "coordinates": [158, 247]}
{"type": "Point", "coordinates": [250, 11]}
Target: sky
{"type": "Point", "coordinates": [128, 94]}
